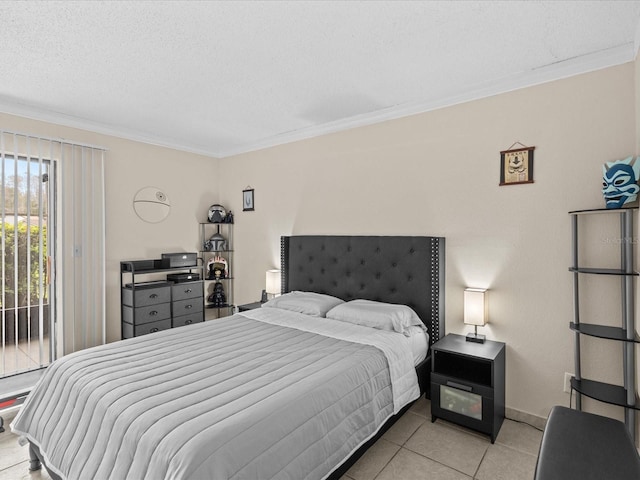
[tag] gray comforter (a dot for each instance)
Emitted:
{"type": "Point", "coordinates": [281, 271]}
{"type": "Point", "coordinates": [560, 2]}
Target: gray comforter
{"type": "Point", "coordinates": [237, 398]}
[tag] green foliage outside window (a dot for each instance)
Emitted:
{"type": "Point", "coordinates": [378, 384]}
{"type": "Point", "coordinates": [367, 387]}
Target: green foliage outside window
{"type": "Point", "coordinates": [28, 285]}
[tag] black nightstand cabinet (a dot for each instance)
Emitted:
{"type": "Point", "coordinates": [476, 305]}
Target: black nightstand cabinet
{"type": "Point", "coordinates": [249, 306]}
{"type": "Point", "coordinates": [468, 383]}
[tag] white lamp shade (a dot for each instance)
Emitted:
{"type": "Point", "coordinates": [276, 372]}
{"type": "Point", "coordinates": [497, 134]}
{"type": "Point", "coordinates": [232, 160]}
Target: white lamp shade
{"type": "Point", "coordinates": [476, 308]}
{"type": "Point", "coordinates": [273, 282]}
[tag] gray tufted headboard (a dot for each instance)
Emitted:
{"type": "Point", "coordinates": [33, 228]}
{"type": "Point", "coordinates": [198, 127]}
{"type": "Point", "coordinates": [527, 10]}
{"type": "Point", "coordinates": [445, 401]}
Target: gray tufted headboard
{"type": "Point", "coordinates": [392, 269]}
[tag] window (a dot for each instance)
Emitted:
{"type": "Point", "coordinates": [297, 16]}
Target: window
{"type": "Point", "coordinates": [53, 241]}
{"type": "Point", "coordinates": [25, 218]}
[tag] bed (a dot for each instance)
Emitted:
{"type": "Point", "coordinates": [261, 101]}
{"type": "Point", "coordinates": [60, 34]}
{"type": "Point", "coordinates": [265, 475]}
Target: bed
{"type": "Point", "coordinates": [268, 393]}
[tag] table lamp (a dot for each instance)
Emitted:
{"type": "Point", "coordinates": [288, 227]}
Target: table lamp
{"type": "Point", "coordinates": [476, 311]}
{"type": "Point", "coordinates": [273, 287]}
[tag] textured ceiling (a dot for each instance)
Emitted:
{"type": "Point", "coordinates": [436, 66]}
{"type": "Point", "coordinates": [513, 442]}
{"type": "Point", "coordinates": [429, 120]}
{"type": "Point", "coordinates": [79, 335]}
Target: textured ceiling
{"type": "Point", "coordinates": [221, 78]}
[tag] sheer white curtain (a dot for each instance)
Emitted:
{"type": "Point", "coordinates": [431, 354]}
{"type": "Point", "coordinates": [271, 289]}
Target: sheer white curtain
{"type": "Point", "coordinates": [81, 247]}
{"type": "Point", "coordinates": [75, 240]}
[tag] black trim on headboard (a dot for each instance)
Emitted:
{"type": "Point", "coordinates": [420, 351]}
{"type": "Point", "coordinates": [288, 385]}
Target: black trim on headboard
{"type": "Point", "coordinates": [392, 269]}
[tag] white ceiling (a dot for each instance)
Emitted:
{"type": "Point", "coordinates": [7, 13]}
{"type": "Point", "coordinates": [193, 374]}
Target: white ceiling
{"type": "Point", "coordinates": [224, 77]}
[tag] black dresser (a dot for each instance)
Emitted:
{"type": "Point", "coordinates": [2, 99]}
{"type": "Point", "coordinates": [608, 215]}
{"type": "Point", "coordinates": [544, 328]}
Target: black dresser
{"type": "Point", "coordinates": [150, 306]}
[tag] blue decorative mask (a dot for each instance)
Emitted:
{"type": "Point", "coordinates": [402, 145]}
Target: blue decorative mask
{"type": "Point", "coordinates": [620, 182]}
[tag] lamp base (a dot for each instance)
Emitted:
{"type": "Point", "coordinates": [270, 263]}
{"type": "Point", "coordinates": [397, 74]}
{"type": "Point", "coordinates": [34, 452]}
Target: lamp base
{"type": "Point", "coordinates": [475, 338]}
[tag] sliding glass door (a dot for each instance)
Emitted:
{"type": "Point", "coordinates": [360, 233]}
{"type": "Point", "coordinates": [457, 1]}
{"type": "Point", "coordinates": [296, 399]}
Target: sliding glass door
{"type": "Point", "coordinates": [27, 226]}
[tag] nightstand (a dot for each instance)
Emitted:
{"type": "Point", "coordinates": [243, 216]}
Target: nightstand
{"type": "Point", "coordinates": [249, 306]}
{"type": "Point", "coordinates": [468, 383]}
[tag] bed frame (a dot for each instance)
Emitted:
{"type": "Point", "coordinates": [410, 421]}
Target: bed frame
{"type": "Point", "coordinates": [403, 270]}
{"type": "Point", "coordinates": [392, 269]}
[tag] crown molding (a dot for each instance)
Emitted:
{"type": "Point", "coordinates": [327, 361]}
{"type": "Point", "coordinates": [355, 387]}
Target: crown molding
{"type": "Point", "coordinates": [556, 71]}
{"type": "Point", "coordinates": [40, 114]}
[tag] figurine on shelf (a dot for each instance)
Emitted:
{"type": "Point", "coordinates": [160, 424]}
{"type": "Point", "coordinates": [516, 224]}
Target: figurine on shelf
{"type": "Point", "coordinates": [229, 217]}
{"type": "Point", "coordinates": [218, 297]}
{"type": "Point", "coordinates": [216, 214]}
{"type": "Point", "coordinates": [218, 268]}
{"type": "Point", "coordinates": [212, 273]}
{"type": "Point", "coordinates": [620, 183]}
{"type": "Point", "coordinates": [216, 243]}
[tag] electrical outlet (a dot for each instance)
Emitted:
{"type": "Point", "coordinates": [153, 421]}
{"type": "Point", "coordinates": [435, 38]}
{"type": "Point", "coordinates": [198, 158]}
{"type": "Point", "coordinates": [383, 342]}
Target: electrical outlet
{"type": "Point", "coordinates": [567, 382]}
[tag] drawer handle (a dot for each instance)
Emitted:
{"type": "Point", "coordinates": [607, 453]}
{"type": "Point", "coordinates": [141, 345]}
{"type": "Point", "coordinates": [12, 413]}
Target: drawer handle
{"type": "Point", "coordinates": [153, 295]}
{"type": "Point", "coordinates": [188, 306]}
{"type": "Point", "coordinates": [188, 322]}
{"type": "Point", "coordinates": [154, 330]}
{"type": "Point", "coordinates": [188, 290]}
{"type": "Point", "coordinates": [153, 313]}
{"type": "Point", "coordinates": [459, 386]}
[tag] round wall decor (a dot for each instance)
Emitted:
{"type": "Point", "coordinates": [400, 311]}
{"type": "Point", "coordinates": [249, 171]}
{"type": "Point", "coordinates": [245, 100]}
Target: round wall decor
{"type": "Point", "coordinates": [151, 204]}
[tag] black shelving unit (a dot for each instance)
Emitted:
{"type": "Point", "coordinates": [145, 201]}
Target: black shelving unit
{"type": "Point", "coordinates": [602, 331]}
{"type": "Point", "coordinates": [207, 230]}
{"type": "Point", "coordinates": [624, 395]}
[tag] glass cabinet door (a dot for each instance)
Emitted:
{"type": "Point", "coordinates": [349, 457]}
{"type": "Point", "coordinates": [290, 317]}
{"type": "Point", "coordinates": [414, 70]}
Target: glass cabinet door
{"type": "Point", "coordinates": [461, 402]}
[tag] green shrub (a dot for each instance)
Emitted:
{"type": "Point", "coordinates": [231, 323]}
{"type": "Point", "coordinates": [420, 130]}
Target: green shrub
{"type": "Point", "coordinates": [28, 291]}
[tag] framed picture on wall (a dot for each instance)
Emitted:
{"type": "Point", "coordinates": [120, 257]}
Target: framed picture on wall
{"type": "Point", "coordinates": [247, 200]}
{"type": "Point", "coordinates": [516, 166]}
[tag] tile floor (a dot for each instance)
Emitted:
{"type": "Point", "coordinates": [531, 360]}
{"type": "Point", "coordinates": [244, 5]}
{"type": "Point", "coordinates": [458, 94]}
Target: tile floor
{"type": "Point", "coordinates": [14, 459]}
{"type": "Point", "coordinates": [414, 448]}
{"type": "Point", "coordinates": [26, 355]}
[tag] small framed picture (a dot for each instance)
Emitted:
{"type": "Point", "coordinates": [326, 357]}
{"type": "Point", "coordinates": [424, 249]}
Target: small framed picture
{"type": "Point", "coordinates": [516, 166]}
{"type": "Point", "coordinates": [247, 200]}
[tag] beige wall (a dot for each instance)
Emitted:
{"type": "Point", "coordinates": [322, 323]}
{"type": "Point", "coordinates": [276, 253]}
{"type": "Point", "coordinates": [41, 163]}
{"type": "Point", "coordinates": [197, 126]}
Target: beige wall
{"type": "Point", "coordinates": [189, 180]}
{"type": "Point", "coordinates": [429, 174]}
{"type": "Point", "coordinates": [437, 174]}
{"type": "Point", "coordinates": [637, 83]}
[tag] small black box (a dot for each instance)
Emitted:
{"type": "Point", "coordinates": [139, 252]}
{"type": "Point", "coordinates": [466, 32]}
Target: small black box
{"type": "Point", "coordinates": [183, 277]}
{"type": "Point", "coordinates": [181, 259]}
{"type": "Point", "coordinates": [136, 265]}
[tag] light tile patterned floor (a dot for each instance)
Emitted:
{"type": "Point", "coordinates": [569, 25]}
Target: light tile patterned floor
{"type": "Point", "coordinates": [414, 448]}
{"type": "Point", "coordinates": [23, 356]}
{"type": "Point", "coordinates": [14, 459]}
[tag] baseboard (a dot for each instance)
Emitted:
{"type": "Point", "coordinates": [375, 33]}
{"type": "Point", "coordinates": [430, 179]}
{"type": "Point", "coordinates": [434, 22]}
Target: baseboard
{"type": "Point", "coordinates": [524, 417]}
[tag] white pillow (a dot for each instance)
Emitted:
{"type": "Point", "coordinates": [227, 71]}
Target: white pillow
{"type": "Point", "coordinates": [309, 303]}
{"type": "Point", "coordinates": [384, 316]}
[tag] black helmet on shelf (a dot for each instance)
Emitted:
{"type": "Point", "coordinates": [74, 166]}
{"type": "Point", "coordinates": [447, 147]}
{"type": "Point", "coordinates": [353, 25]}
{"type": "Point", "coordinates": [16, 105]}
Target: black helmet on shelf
{"type": "Point", "coordinates": [217, 213]}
